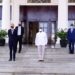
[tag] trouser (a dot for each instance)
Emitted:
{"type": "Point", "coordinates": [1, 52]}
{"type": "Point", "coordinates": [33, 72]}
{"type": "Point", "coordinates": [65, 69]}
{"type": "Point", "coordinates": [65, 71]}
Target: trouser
{"type": "Point", "coordinates": [41, 51]}
{"type": "Point", "coordinates": [19, 39]}
{"type": "Point", "coordinates": [71, 47]}
{"type": "Point", "coordinates": [12, 52]}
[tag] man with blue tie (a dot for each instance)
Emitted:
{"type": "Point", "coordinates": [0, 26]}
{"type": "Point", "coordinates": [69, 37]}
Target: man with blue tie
{"type": "Point", "coordinates": [71, 38]}
{"type": "Point", "coordinates": [12, 42]}
{"type": "Point", "coordinates": [19, 32]}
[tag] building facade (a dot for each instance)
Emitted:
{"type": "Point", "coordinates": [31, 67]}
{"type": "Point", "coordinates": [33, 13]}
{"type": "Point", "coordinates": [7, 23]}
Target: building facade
{"type": "Point", "coordinates": [51, 15]}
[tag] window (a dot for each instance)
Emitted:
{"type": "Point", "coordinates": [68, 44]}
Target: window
{"type": "Point", "coordinates": [71, 1]}
{"type": "Point", "coordinates": [39, 1]}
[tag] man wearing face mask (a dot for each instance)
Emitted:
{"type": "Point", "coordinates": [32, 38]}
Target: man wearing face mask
{"type": "Point", "coordinates": [19, 32]}
{"type": "Point", "coordinates": [71, 38]}
{"type": "Point", "coordinates": [12, 42]}
{"type": "Point", "coordinates": [41, 41]}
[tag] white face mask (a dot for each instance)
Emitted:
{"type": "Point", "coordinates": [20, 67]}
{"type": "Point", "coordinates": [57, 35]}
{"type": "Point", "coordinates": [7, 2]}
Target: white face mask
{"type": "Point", "coordinates": [40, 30]}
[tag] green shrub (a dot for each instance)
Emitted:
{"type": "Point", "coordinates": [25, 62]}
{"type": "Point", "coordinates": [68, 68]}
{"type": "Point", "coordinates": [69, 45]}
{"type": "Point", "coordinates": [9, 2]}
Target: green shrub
{"type": "Point", "coordinates": [62, 34]}
{"type": "Point", "coordinates": [3, 33]}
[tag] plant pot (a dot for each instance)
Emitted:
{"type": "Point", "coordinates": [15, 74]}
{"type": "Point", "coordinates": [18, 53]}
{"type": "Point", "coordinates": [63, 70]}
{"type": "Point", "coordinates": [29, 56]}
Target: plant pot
{"type": "Point", "coordinates": [63, 43]}
{"type": "Point", "coordinates": [2, 42]}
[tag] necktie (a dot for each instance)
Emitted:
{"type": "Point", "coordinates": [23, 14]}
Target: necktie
{"type": "Point", "coordinates": [12, 31]}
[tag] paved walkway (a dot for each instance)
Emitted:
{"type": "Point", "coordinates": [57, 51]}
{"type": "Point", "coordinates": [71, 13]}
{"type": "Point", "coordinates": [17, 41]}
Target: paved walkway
{"type": "Point", "coordinates": [57, 62]}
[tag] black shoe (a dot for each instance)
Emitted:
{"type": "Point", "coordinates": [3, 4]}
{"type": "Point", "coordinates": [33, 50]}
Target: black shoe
{"type": "Point", "coordinates": [13, 59]}
{"type": "Point", "coordinates": [10, 59]}
{"type": "Point", "coordinates": [71, 52]}
{"type": "Point", "coordinates": [41, 60]}
{"type": "Point", "coordinates": [19, 51]}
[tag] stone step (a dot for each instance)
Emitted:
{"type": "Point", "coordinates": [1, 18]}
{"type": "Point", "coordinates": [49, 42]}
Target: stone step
{"type": "Point", "coordinates": [57, 62]}
{"type": "Point", "coordinates": [35, 50]}
{"type": "Point", "coordinates": [5, 73]}
{"type": "Point", "coordinates": [46, 74]}
{"type": "Point", "coordinates": [33, 74]}
{"type": "Point", "coordinates": [36, 60]}
{"type": "Point", "coordinates": [52, 69]}
{"type": "Point", "coordinates": [59, 50]}
{"type": "Point", "coordinates": [34, 53]}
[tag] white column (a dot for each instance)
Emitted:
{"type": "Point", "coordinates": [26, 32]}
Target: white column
{"type": "Point", "coordinates": [62, 14]}
{"type": "Point", "coordinates": [15, 12]}
{"type": "Point", "coordinates": [6, 14]}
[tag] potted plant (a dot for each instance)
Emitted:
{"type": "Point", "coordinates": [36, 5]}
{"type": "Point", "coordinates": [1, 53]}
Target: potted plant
{"type": "Point", "coordinates": [63, 38]}
{"type": "Point", "coordinates": [3, 33]}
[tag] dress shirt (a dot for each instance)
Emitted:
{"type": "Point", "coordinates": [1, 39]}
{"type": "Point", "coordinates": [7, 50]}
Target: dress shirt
{"type": "Point", "coordinates": [19, 30]}
{"type": "Point", "coordinates": [71, 30]}
{"type": "Point", "coordinates": [12, 30]}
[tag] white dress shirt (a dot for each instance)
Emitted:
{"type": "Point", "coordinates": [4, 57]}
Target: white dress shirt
{"type": "Point", "coordinates": [12, 30]}
{"type": "Point", "coordinates": [71, 30]}
{"type": "Point", "coordinates": [19, 30]}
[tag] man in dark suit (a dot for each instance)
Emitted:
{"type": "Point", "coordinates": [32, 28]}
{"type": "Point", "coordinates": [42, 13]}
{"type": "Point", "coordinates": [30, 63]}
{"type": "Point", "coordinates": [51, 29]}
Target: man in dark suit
{"type": "Point", "coordinates": [19, 33]}
{"type": "Point", "coordinates": [12, 42]}
{"type": "Point", "coordinates": [71, 38]}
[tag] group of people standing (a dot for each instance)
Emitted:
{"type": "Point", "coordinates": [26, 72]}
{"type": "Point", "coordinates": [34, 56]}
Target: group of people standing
{"type": "Point", "coordinates": [41, 41]}
{"type": "Point", "coordinates": [15, 35]}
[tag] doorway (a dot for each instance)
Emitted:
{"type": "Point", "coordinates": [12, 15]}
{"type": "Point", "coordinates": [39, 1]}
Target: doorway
{"type": "Point", "coordinates": [33, 29]}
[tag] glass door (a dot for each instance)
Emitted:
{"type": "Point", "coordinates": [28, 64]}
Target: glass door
{"type": "Point", "coordinates": [53, 32]}
{"type": "Point", "coordinates": [44, 26]}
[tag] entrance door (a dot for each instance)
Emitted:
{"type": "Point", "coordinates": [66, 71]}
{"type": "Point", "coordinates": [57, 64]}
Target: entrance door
{"type": "Point", "coordinates": [33, 29]}
{"type": "Point", "coordinates": [44, 26]}
{"type": "Point", "coordinates": [53, 32]}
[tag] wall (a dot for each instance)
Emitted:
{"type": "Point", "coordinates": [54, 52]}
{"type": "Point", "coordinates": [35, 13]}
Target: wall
{"type": "Point", "coordinates": [42, 13]}
{"type": "Point", "coordinates": [24, 2]}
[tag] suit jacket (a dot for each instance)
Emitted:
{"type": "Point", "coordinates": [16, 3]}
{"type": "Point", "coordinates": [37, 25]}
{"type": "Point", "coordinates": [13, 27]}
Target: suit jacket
{"type": "Point", "coordinates": [71, 35]}
{"type": "Point", "coordinates": [12, 37]}
{"type": "Point", "coordinates": [22, 31]}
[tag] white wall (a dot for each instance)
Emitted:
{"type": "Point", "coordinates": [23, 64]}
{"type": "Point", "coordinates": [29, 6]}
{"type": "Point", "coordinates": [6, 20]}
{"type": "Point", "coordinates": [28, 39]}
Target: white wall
{"type": "Point", "coordinates": [15, 12]}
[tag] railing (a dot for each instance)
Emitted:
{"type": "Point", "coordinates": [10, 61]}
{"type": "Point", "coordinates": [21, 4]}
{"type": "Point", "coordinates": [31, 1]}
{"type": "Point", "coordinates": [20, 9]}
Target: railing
{"type": "Point", "coordinates": [71, 1]}
{"type": "Point", "coordinates": [38, 1]}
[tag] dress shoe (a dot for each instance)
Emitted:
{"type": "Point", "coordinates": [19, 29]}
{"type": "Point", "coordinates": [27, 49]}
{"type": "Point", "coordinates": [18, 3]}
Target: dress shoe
{"type": "Point", "coordinates": [13, 59]}
{"type": "Point", "coordinates": [41, 60]}
{"type": "Point", "coordinates": [71, 53]}
{"type": "Point", "coordinates": [10, 59]}
{"type": "Point", "coordinates": [19, 51]}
